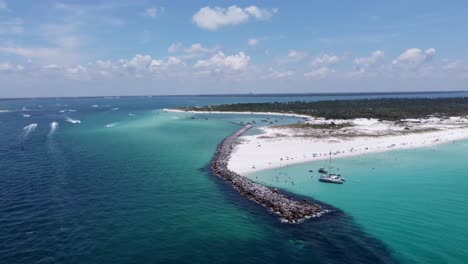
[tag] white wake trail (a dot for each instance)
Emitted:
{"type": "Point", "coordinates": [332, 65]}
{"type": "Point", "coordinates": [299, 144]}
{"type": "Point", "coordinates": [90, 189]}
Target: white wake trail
{"type": "Point", "coordinates": [73, 121]}
{"type": "Point", "coordinates": [28, 130]}
{"type": "Point", "coordinates": [53, 127]}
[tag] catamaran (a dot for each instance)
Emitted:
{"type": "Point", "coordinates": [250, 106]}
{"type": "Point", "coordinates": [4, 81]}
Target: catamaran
{"type": "Point", "coordinates": [331, 177]}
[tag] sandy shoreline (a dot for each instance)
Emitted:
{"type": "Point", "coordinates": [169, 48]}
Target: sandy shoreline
{"type": "Point", "coordinates": [284, 146]}
{"type": "Point", "coordinates": [269, 151]}
{"type": "Point", "coordinates": [237, 113]}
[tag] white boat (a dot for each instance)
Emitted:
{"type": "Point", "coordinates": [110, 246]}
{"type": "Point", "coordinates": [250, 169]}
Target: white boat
{"type": "Point", "coordinates": [331, 177]}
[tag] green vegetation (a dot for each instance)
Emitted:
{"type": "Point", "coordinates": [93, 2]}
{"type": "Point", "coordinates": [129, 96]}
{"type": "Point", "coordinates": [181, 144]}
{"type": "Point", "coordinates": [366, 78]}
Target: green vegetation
{"type": "Point", "coordinates": [385, 109]}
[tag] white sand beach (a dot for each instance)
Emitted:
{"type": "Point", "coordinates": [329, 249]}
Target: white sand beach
{"type": "Point", "coordinates": [279, 147]}
{"type": "Point", "coordinates": [283, 146]}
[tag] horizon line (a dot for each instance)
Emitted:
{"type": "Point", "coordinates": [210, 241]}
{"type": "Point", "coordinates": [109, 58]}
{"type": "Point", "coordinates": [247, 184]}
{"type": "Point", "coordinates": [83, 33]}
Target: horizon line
{"type": "Point", "coordinates": [240, 95]}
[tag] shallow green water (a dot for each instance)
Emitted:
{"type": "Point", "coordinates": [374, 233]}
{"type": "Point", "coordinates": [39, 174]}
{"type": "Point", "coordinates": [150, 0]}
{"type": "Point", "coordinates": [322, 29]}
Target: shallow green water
{"type": "Point", "coordinates": [414, 200]}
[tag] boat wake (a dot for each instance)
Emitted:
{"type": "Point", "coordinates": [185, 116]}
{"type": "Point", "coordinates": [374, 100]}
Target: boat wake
{"type": "Point", "coordinates": [28, 130]}
{"type": "Point", "coordinates": [53, 127]}
{"type": "Point", "coordinates": [111, 125]}
{"type": "Point", "coordinates": [73, 121]}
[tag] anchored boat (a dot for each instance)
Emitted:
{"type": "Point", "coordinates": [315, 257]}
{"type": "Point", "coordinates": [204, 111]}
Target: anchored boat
{"type": "Point", "coordinates": [330, 177]}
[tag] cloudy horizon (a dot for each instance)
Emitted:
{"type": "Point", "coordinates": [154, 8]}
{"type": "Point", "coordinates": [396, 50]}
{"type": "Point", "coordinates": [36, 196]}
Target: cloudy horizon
{"type": "Point", "coordinates": [98, 48]}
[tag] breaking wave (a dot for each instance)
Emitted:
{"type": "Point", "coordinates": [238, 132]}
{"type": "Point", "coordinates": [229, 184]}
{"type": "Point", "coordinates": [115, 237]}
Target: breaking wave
{"type": "Point", "coordinates": [130, 114]}
{"type": "Point", "coordinates": [113, 109]}
{"type": "Point", "coordinates": [73, 121]}
{"type": "Point", "coordinates": [25, 115]}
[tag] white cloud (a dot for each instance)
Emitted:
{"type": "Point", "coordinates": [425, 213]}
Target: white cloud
{"type": "Point", "coordinates": [217, 17]}
{"type": "Point", "coordinates": [76, 70]}
{"type": "Point", "coordinates": [279, 74]}
{"type": "Point", "coordinates": [220, 61]}
{"type": "Point", "coordinates": [364, 62]}
{"type": "Point", "coordinates": [320, 73]}
{"type": "Point", "coordinates": [9, 67]}
{"type": "Point", "coordinates": [295, 55]}
{"type": "Point", "coordinates": [138, 66]}
{"type": "Point", "coordinates": [325, 60]}
{"type": "Point", "coordinates": [153, 12]}
{"type": "Point", "coordinates": [31, 53]}
{"type": "Point", "coordinates": [195, 50]}
{"type": "Point", "coordinates": [253, 42]}
{"type": "Point", "coordinates": [198, 48]}
{"type": "Point", "coordinates": [414, 57]}
{"type": "Point", "coordinates": [175, 47]}
{"type": "Point", "coordinates": [259, 13]}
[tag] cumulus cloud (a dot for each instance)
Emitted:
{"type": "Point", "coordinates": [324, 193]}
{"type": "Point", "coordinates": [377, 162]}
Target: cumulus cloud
{"type": "Point", "coordinates": [213, 18]}
{"type": "Point", "coordinates": [319, 73]}
{"type": "Point", "coordinates": [365, 62]}
{"type": "Point", "coordinates": [253, 42]}
{"type": "Point", "coordinates": [414, 57]}
{"type": "Point", "coordinates": [219, 61]}
{"type": "Point", "coordinates": [324, 60]}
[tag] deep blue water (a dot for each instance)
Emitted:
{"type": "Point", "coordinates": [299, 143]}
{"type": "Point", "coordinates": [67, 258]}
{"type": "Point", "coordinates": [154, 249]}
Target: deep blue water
{"type": "Point", "coordinates": [140, 191]}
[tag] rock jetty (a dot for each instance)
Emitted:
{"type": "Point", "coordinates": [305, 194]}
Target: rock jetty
{"type": "Point", "coordinates": [289, 209]}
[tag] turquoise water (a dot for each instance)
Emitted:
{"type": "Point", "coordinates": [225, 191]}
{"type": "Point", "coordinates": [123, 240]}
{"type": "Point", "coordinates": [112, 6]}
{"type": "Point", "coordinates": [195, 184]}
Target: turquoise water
{"type": "Point", "coordinates": [414, 200]}
{"type": "Point", "coordinates": [141, 192]}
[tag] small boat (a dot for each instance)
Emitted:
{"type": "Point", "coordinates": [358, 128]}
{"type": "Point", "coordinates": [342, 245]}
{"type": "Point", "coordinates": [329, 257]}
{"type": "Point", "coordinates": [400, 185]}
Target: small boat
{"type": "Point", "coordinates": [322, 170]}
{"type": "Point", "coordinates": [330, 177]}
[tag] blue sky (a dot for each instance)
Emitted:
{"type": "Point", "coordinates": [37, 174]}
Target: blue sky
{"type": "Point", "coordinates": [81, 48]}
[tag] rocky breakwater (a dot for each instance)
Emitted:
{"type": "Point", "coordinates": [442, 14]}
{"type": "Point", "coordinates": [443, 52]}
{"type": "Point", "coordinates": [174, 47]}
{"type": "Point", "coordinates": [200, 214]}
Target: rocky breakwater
{"type": "Point", "coordinates": [290, 210]}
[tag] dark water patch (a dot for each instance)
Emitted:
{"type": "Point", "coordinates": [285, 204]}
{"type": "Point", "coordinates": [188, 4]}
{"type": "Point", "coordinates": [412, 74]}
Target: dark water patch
{"type": "Point", "coordinates": [331, 238]}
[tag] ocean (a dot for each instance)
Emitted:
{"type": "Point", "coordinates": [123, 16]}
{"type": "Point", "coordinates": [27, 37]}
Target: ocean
{"type": "Point", "coordinates": [118, 180]}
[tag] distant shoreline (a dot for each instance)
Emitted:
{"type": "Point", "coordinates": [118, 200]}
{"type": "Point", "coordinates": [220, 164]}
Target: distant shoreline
{"type": "Point", "coordinates": [283, 146]}
{"type": "Point", "coordinates": [236, 113]}
{"type": "Point", "coordinates": [239, 95]}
